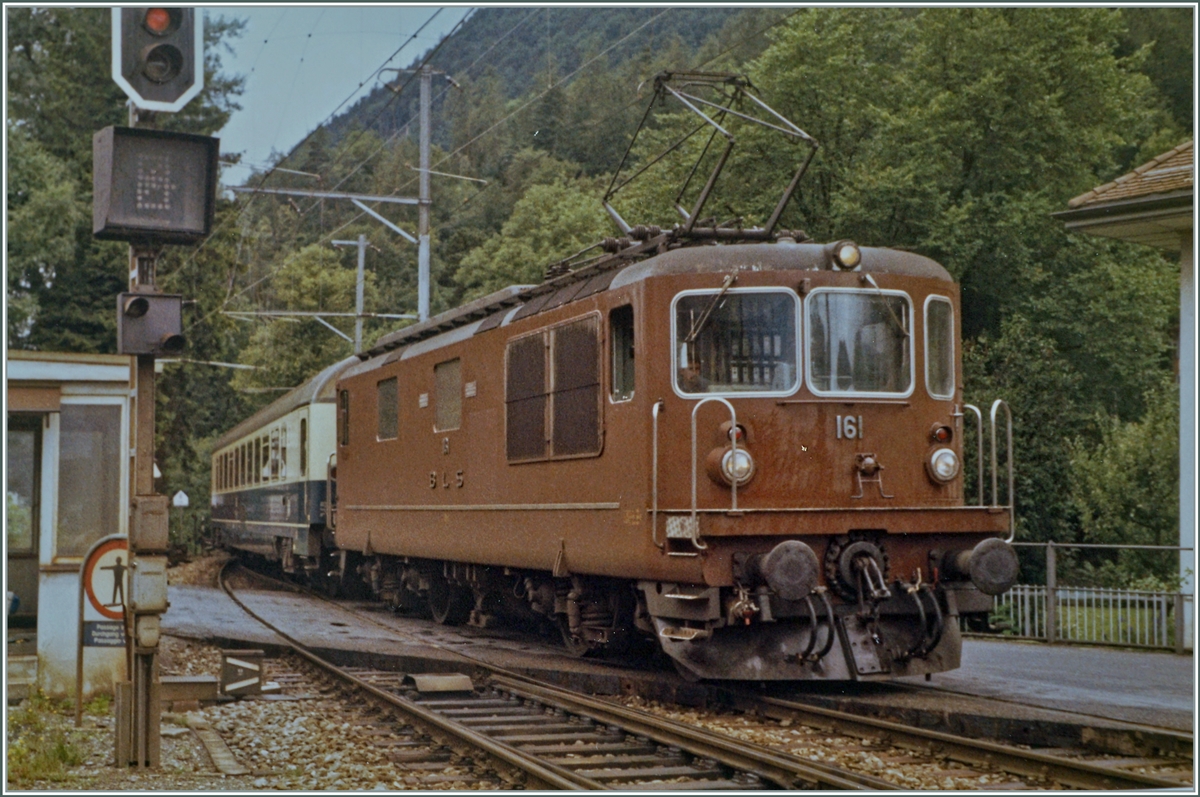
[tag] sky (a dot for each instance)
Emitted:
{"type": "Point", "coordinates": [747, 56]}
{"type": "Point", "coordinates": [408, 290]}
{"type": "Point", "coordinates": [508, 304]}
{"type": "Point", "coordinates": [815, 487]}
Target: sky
{"type": "Point", "coordinates": [302, 62]}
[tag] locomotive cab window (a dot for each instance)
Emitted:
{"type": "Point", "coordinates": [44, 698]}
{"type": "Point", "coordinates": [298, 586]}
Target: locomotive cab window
{"type": "Point", "coordinates": [860, 342]}
{"type": "Point", "coordinates": [620, 324]}
{"type": "Point", "coordinates": [387, 401]}
{"type": "Point", "coordinates": [447, 394]}
{"type": "Point", "coordinates": [939, 347]}
{"type": "Point", "coordinates": [739, 341]}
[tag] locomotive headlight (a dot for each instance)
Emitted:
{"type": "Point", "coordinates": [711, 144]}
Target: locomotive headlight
{"type": "Point", "coordinates": [943, 465]}
{"type": "Point", "coordinates": [737, 466]}
{"type": "Point", "coordinates": [847, 255]}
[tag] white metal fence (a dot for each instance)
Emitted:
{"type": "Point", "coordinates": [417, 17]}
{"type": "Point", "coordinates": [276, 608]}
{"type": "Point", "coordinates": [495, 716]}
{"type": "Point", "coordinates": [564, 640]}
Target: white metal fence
{"type": "Point", "coordinates": [1091, 615]}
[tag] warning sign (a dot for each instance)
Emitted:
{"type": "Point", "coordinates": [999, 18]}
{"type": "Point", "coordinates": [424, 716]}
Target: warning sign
{"type": "Point", "coordinates": [106, 578]}
{"type": "Point", "coordinates": [104, 634]}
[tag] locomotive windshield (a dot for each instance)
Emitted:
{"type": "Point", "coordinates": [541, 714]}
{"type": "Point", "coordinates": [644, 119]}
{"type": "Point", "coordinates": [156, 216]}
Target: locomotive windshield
{"type": "Point", "coordinates": [859, 342]}
{"type": "Point", "coordinates": [736, 342]}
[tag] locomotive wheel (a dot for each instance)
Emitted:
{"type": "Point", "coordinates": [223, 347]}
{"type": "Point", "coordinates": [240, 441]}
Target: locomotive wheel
{"type": "Point", "coordinates": [449, 604]}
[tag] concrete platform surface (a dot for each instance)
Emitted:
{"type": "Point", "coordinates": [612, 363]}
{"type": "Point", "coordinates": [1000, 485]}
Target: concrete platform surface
{"type": "Point", "coordinates": [1146, 687]}
{"type": "Point", "coordinates": [1029, 680]}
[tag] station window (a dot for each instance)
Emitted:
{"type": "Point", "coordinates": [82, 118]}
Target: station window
{"type": "Point", "coordinates": [553, 376]}
{"type": "Point", "coordinates": [939, 347]}
{"type": "Point", "coordinates": [620, 324]}
{"type": "Point", "coordinates": [447, 379]}
{"type": "Point", "coordinates": [89, 472]}
{"type": "Point", "coordinates": [387, 401]}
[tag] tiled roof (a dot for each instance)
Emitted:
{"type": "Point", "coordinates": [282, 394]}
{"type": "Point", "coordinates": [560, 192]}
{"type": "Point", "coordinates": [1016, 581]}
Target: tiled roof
{"type": "Point", "coordinates": [1169, 172]}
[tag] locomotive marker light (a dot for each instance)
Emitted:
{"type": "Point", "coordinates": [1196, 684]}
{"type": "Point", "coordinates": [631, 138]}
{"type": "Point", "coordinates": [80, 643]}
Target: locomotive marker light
{"type": "Point", "coordinates": [156, 57]}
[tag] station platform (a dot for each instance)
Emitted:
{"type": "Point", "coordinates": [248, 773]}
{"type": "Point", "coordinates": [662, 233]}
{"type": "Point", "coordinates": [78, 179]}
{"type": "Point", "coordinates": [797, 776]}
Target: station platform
{"type": "Point", "coordinates": [1002, 687]}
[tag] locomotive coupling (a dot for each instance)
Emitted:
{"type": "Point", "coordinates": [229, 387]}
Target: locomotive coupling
{"type": "Point", "coordinates": [790, 569]}
{"type": "Point", "coordinates": [991, 565]}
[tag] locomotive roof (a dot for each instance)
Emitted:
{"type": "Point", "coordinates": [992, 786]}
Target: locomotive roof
{"type": "Point", "coordinates": [317, 390]}
{"type": "Point", "coordinates": [619, 270]}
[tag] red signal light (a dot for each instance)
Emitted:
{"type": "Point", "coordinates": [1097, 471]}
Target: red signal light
{"type": "Point", "coordinates": [942, 434]}
{"type": "Point", "coordinates": [157, 20]}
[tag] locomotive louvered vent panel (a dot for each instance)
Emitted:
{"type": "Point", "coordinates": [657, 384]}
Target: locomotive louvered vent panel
{"type": "Point", "coordinates": [388, 404]}
{"type": "Point", "coordinates": [525, 395]}
{"type": "Point", "coordinates": [576, 399]}
{"type": "Point", "coordinates": [448, 395]}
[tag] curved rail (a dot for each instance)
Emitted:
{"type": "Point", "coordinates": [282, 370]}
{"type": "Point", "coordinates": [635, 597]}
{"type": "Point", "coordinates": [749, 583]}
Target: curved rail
{"type": "Point", "coordinates": [780, 769]}
{"type": "Point", "coordinates": [774, 768]}
{"type": "Point", "coordinates": [545, 773]}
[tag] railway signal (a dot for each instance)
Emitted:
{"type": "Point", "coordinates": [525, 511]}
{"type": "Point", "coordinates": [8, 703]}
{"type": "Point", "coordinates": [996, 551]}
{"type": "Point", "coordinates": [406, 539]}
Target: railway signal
{"type": "Point", "coordinates": [150, 188]}
{"type": "Point", "coordinates": [158, 56]}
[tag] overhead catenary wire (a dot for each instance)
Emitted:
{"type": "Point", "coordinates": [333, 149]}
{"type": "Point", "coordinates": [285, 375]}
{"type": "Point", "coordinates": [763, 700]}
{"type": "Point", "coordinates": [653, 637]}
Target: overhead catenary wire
{"type": "Point", "coordinates": [276, 270]}
{"type": "Point", "coordinates": [166, 278]}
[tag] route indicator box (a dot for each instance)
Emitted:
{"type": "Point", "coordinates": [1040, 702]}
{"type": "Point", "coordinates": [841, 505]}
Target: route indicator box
{"type": "Point", "coordinates": [153, 186]}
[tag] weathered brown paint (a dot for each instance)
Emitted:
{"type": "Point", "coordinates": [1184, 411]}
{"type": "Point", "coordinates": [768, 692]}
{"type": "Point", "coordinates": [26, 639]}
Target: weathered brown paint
{"type": "Point", "coordinates": [596, 507]}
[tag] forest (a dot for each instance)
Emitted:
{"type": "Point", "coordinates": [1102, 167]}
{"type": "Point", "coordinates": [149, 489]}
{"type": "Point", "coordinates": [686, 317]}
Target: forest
{"type": "Point", "coordinates": [951, 132]}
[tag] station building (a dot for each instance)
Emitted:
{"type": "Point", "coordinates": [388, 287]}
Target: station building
{"type": "Point", "coordinates": [69, 447]}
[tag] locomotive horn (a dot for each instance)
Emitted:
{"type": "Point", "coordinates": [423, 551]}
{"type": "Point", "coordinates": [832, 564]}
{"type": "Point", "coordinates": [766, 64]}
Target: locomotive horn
{"type": "Point", "coordinates": [991, 565]}
{"type": "Point", "coordinates": [790, 569]}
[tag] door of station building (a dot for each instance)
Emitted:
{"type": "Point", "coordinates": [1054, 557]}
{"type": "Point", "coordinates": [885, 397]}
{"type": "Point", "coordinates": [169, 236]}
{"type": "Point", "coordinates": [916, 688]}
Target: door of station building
{"type": "Point", "coordinates": [23, 509]}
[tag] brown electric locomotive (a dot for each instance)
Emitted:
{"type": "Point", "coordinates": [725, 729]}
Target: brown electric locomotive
{"type": "Point", "coordinates": [740, 443]}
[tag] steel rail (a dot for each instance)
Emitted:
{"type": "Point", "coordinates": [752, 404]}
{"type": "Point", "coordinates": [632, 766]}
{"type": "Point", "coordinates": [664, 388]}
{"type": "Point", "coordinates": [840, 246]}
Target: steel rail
{"type": "Point", "coordinates": [1079, 774]}
{"type": "Point", "coordinates": [551, 776]}
{"type": "Point", "coordinates": [784, 770]}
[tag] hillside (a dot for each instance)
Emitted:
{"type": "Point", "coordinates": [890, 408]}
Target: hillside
{"type": "Point", "coordinates": [522, 48]}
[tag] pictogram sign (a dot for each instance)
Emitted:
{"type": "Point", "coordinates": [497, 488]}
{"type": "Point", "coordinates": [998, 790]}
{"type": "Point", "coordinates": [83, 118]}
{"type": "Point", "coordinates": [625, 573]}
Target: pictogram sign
{"type": "Point", "coordinates": [106, 578]}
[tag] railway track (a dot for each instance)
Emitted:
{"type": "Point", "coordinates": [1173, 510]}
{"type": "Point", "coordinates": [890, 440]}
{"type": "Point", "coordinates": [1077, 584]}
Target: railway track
{"type": "Point", "coordinates": [554, 738]}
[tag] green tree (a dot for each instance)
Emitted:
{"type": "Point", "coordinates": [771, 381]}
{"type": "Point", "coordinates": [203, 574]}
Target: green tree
{"type": "Point", "coordinates": [550, 222]}
{"type": "Point", "coordinates": [1126, 490]}
{"type": "Point", "coordinates": [284, 353]}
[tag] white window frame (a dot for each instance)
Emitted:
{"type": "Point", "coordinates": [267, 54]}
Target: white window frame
{"type": "Point", "coordinates": [912, 374]}
{"type": "Point", "coordinates": [933, 297]}
{"type": "Point", "coordinates": [798, 310]}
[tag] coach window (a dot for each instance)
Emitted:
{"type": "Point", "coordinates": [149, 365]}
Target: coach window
{"type": "Point", "coordinates": [344, 412]}
{"type": "Point", "coordinates": [739, 341]}
{"type": "Point", "coordinates": [939, 347]}
{"type": "Point", "coordinates": [860, 342]}
{"type": "Point", "coordinates": [447, 379]}
{"type": "Point", "coordinates": [283, 452]}
{"type": "Point", "coordinates": [259, 459]}
{"type": "Point", "coordinates": [275, 455]}
{"type": "Point", "coordinates": [388, 406]}
{"type": "Point", "coordinates": [620, 324]}
{"type": "Point", "coordinates": [241, 463]}
{"type": "Point", "coordinates": [303, 447]}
